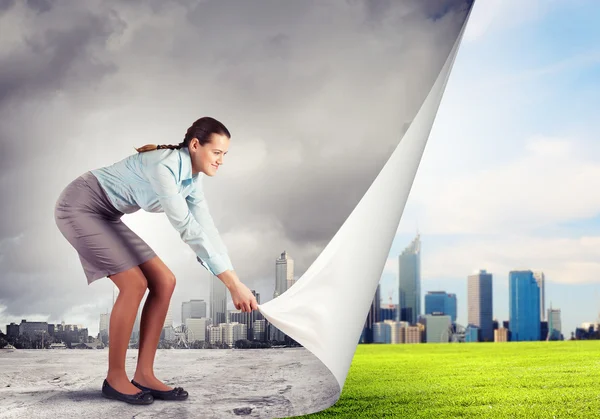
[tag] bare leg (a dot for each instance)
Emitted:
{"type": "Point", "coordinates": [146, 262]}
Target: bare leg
{"type": "Point", "coordinates": [161, 283]}
{"type": "Point", "coordinates": [132, 286]}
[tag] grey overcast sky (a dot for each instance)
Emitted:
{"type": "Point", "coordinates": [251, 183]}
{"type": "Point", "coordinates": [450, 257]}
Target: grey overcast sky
{"type": "Point", "coordinates": [316, 95]}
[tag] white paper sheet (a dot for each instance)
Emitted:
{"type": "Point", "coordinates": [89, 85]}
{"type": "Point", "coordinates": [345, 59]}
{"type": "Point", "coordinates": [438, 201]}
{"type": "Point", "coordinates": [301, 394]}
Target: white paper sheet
{"type": "Point", "coordinates": [325, 310]}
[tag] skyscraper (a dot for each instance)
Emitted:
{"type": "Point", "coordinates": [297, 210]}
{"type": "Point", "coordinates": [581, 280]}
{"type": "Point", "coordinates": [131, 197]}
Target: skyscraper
{"type": "Point", "coordinates": [193, 309]}
{"type": "Point", "coordinates": [480, 304]}
{"type": "Point", "coordinates": [441, 302]}
{"type": "Point", "coordinates": [540, 278]}
{"type": "Point", "coordinates": [103, 328]}
{"type": "Point", "coordinates": [373, 317]}
{"type": "Point", "coordinates": [218, 300]}
{"type": "Point", "coordinates": [524, 306]}
{"type": "Point", "coordinates": [409, 275]}
{"type": "Point", "coordinates": [284, 274]}
{"type": "Point", "coordinates": [554, 324]}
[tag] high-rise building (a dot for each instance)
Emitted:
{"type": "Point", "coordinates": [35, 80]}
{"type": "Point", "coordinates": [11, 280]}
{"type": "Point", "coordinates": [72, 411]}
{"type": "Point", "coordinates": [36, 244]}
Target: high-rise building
{"type": "Point", "coordinates": [382, 332]}
{"type": "Point", "coordinates": [372, 317]}
{"type": "Point", "coordinates": [554, 324]}
{"type": "Point", "coordinates": [440, 302]}
{"type": "Point", "coordinates": [284, 274]}
{"type": "Point", "coordinates": [104, 322]}
{"type": "Point", "coordinates": [256, 314]}
{"type": "Point", "coordinates": [524, 306]}
{"type": "Point", "coordinates": [409, 274]}
{"type": "Point", "coordinates": [388, 312]}
{"type": "Point", "coordinates": [480, 304]}
{"type": "Point", "coordinates": [540, 278]}
{"type": "Point", "coordinates": [193, 309]}
{"type": "Point", "coordinates": [218, 301]}
{"type": "Point", "coordinates": [259, 330]}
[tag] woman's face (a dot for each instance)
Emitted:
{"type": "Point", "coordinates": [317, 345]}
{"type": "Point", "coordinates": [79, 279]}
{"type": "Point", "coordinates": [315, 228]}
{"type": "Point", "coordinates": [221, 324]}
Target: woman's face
{"type": "Point", "coordinates": [209, 157]}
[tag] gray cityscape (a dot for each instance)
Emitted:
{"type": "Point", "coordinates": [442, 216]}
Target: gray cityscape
{"type": "Point", "coordinates": [205, 324]}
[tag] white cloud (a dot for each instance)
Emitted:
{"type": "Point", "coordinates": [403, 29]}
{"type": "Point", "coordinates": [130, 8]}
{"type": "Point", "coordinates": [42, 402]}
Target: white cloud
{"type": "Point", "coordinates": [563, 260]}
{"type": "Point", "coordinates": [549, 183]}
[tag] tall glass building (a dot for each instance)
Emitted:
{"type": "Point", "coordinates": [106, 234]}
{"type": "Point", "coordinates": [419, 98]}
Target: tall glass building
{"type": "Point", "coordinates": [480, 304]}
{"type": "Point", "coordinates": [441, 302]}
{"type": "Point", "coordinates": [524, 305]}
{"type": "Point", "coordinates": [410, 282]}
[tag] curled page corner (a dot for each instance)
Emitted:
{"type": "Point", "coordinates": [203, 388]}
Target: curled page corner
{"type": "Point", "coordinates": [345, 275]}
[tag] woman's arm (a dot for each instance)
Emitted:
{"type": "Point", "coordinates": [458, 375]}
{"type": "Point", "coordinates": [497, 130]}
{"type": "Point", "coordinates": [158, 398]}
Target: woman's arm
{"type": "Point", "coordinates": [175, 206]}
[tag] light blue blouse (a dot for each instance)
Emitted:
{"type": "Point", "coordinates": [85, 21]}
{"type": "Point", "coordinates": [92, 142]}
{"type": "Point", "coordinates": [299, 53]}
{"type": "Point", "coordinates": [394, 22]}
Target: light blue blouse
{"type": "Point", "coordinates": [162, 181]}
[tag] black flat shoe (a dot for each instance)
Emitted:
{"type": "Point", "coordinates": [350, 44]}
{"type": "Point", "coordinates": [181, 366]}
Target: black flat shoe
{"type": "Point", "coordinates": [178, 393]}
{"type": "Point", "coordinates": [143, 397]}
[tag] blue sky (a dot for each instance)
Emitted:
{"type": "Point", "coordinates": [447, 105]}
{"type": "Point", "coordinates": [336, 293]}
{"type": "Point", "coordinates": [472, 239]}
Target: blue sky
{"type": "Point", "coordinates": [510, 174]}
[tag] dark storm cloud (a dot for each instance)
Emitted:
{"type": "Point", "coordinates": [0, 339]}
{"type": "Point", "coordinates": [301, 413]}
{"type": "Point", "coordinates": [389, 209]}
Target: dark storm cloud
{"type": "Point", "coordinates": [53, 54]}
{"type": "Point", "coordinates": [7, 4]}
{"type": "Point", "coordinates": [316, 96]}
{"type": "Point", "coordinates": [40, 6]}
{"type": "Point", "coordinates": [53, 59]}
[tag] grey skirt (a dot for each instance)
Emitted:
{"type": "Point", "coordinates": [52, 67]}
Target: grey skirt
{"type": "Point", "coordinates": [93, 226]}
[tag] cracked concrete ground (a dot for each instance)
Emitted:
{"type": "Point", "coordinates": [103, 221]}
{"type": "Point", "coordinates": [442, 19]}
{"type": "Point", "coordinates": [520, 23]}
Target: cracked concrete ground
{"type": "Point", "coordinates": [234, 383]}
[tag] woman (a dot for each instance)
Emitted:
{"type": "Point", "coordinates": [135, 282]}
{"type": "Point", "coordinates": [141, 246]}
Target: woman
{"type": "Point", "coordinates": [164, 178]}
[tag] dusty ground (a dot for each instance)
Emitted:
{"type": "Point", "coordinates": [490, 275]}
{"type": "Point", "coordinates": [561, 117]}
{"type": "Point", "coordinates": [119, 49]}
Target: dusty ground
{"type": "Point", "coordinates": [253, 383]}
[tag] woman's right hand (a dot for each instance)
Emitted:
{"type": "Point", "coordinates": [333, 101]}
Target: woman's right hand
{"type": "Point", "coordinates": [242, 297]}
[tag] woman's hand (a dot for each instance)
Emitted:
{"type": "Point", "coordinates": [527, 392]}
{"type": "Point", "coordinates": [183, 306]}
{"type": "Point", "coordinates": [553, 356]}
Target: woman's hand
{"type": "Point", "coordinates": [242, 297]}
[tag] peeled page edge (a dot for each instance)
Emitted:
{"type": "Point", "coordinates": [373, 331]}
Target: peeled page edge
{"type": "Point", "coordinates": [325, 310]}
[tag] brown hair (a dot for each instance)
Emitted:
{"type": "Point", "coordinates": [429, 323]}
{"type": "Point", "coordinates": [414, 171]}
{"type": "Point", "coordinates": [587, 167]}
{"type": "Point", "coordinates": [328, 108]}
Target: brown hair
{"type": "Point", "coordinates": [202, 129]}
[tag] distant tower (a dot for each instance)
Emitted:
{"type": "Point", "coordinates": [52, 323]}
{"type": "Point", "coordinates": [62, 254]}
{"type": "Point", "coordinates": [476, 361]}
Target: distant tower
{"type": "Point", "coordinates": [218, 301]}
{"type": "Point", "coordinates": [372, 317]}
{"type": "Point", "coordinates": [441, 302]}
{"type": "Point", "coordinates": [540, 278]}
{"type": "Point", "coordinates": [284, 274]}
{"type": "Point", "coordinates": [554, 324]}
{"type": "Point", "coordinates": [524, 306]}
{"type": "Point", "coordinates": [409, 275]}
{"type": "Point", "coordinates": [480, 304]}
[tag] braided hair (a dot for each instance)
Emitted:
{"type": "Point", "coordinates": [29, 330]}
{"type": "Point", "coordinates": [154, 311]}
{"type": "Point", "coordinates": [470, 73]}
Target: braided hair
{"type": "Point", "coordinates": [201, 129]}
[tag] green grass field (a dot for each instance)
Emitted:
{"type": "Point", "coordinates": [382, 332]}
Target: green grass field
{"type": "Point", "coordinates": [472, 380]}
